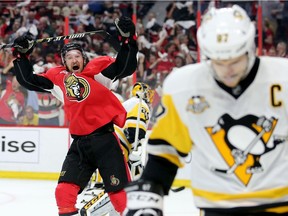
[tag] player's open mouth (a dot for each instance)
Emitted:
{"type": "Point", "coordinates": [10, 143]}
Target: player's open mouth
{"type": "Point", "coordinates": [76, 67]}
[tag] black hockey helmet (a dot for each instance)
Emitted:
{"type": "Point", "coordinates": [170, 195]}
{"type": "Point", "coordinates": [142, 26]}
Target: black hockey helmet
{"type": "Point", "coordinates": [73, 46]}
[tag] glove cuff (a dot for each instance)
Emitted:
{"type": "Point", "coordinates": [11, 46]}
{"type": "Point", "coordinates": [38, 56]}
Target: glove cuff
{"type": "Point", "coordinates": [18, 54]}
{"type": "Point", "coordinates": [144, 185]}
{"type": "Point", "coordinates": [144, 198]}
{"type": "Point", "coordinates": [123, 34]}
{"type": "Point", "coordinates": [125, 40]}
{"type": "Point", "coordinates": [134, 37]}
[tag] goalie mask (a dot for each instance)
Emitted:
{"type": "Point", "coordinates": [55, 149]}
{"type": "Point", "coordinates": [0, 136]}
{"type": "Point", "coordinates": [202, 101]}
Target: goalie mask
{"type": "Point", "coordinates": [144, 90]}
{"type": "Point", "coordinates": [73, 46]}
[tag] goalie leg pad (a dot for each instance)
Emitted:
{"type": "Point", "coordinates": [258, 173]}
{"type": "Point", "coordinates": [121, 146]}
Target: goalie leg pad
{"type": "Point", "coordinates": [118, 200]}
{"type": "Point", "coordinates": [66, 197]}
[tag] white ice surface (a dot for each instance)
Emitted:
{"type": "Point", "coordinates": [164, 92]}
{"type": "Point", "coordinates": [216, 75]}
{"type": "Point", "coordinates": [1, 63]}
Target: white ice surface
{"type": "Point", "coordinates": [36, 197]}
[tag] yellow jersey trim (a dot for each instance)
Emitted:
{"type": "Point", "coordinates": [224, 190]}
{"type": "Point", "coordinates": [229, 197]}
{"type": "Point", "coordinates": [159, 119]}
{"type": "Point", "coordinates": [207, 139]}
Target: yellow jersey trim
{"type": "Point", "coordinates": [264, 194]}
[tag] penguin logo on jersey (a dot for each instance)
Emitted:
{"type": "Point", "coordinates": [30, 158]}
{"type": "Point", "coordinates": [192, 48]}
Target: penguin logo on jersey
{"type": "Point", "coordinates": [197, 104]}
{"type": "Point", "coordinates": [242, 142]}
{"type": "Point", "coordinates": [77, 88]}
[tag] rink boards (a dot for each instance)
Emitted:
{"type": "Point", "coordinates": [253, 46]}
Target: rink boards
{"type": "Point", "coordinates": [38, 153]}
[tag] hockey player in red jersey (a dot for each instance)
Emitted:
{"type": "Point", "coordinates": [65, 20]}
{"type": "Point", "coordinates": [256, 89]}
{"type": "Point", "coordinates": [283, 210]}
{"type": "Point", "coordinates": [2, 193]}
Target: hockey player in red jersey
{"type": "Point", "coordinates": [84, 88]}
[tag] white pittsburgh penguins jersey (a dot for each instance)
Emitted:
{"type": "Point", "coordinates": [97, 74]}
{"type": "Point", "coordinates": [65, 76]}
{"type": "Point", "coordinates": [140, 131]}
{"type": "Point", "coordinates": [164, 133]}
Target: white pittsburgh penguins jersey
{"type": "Point", "coordinates": [239, 145]}
{"type": "Point", "coordinates": [132, 106]}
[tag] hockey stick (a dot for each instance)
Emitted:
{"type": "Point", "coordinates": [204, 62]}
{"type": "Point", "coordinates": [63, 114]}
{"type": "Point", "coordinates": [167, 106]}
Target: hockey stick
{"type": "Point", "coordinates": [136, 164]}
{"type": "Point", "coordinates": [138, 118]}
{"type": "Point", "coordinates": [105, 35]}
{"type": "Point", "coordinates": [175, 190]}
{"type": "Point", "coordinates": [245, 153]}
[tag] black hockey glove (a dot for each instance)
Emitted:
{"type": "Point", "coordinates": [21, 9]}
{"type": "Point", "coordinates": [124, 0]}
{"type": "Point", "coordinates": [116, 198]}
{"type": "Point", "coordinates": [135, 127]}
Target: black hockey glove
{"type": "Point", "coordinates": [23, 45]}
{"type": "Point", "coordinates": [125, 27]}
{"type": "Point", "coordinates": [144, 198]}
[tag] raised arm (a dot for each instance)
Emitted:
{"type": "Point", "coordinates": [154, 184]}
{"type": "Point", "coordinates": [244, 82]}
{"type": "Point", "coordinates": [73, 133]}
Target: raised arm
{"type": "Point", "coordinates": [126, 60]}
{"type": "Point", "coordinates": [24, 71]}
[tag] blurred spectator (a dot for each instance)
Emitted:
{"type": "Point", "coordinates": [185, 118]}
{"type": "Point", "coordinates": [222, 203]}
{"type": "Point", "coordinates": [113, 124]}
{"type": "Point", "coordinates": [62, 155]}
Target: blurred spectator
{"type": "Point", "coordinates": [51, 61]}
{"type": "Point", "coordinates": [179, 61]}
{"type": "Point", "coordinates": [12, 102]}
{"type": "Point", "coordinates": [7, 74]}
{"type": "Point", "coordinates": [183, 45]}
{"type": "Point", "coordinates": [46, 47]}
{"type": "Point", "coordinates": [32, 100]}
{"type": "Point", "coordinates": [30, 23]}
{"type": "Point", "coordinates": [281, 49]}
{"type": "Point", "coordinates": [98, 24]}
{"type": "Point", "coordinates": [271, 51]}
{"type": "Point", "coordinates": [29, 118]}
{"type": "Point", "coordinates": [8, 21]}
{"type": "Point", "coordinates": [145, 45]}
{"type": "Point", "coordinates": [109, 9]}
{"type": "Point", "coordinates": [141, 66]}
{"type": "Point", "coordinates": [14, 32]}
{"type": "Point", "coordinates": [277, 13]}
{"type": "Point", "coordinates": [85, 41]}
{"type": "Point", "coordinates": [117, 91]}
{"type": "Point", "coordinates": [125, 86]}
{"type": "Point", "coordinates": [166, 63]}
{"type": "Point", "coordinates": [267, 7]}
{"type": "Point", "coordinates": [110, 14]}
{"type": "Point", "coordinates": [109, 23]}
{"type": "Point", "coordinates": [150, 74]}
{"type": "Point", "coordinates": [49, 109]}
{"type": "Point", "coordinates": [96, 7]}
{"type": "Point", "coordinates": [152, 27]}
{"type": "Point", "coordinates": [126, 8]}
{"type": "Point", "coordinates": [36, 55]}
{"type": "Point", "coordinates": [268, 36]}
{"type": "Point", "coordinates": [86, 18]}
{"type": "Point", "coordinates": [143, 8]}
{"type": "Point", "coordinates": [106, 50]}
{"type": "Point", "coordinates": [180, 11]}
{"type": "Point", "coordinates": [43, 11]}
{"type": "Point", "coordinates": [45, 27]}
{"type": "Point", "coordinates": [285, 20]}
{"type": "Point", "coordinates": [5, 56]}
{"type": "Point", "coordinates": [56, 14]}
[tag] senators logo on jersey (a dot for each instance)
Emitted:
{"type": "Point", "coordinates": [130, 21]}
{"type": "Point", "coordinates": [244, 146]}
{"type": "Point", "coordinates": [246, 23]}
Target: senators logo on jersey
{"type": "Point", "coordinates": [77, 88]}
{"type": "Point", "coordinates": [241, 142]}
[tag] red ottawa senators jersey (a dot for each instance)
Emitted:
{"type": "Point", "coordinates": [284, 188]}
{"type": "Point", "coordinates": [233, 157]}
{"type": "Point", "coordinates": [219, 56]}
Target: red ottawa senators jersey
{"type": "Point", "coordinates": [88, 103]}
